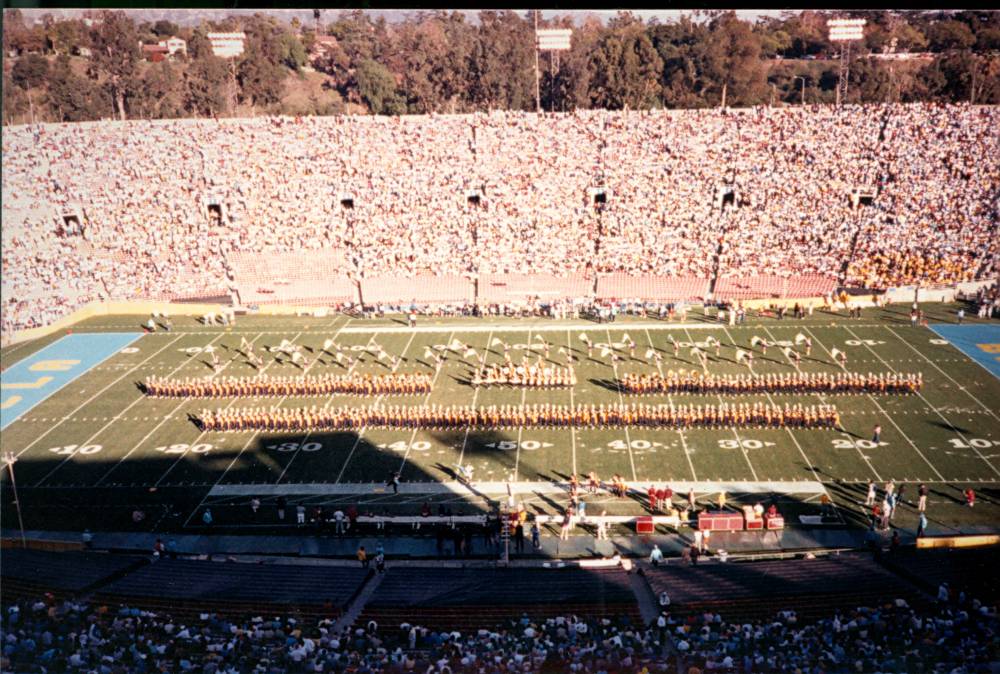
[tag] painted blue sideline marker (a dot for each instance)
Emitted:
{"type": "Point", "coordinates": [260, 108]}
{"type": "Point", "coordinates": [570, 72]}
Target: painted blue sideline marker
{"type": "Point", "coordinates": [33, 379]}
{"type": "Point", "coordinates": [978, 341]}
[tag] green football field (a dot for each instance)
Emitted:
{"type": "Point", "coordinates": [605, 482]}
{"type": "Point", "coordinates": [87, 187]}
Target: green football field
{"type": "Point", "coordinates": [98, 449]}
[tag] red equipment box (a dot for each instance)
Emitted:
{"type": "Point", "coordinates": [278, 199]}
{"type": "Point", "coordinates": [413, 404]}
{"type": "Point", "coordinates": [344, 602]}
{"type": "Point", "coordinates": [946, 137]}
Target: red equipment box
{"type": "Point", "coordinates": [644, 525]}
{"type": "Point", "coordinates": [720, 521]}
{"type": "Point", "coordinates": [775, 522]}
{"type": "Point", "coordinates": [752, 521]}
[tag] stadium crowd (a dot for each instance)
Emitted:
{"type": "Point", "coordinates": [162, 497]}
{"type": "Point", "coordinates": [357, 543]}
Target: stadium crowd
{"type": "Point", "coordinates": [154, 209]}
{"type": "Point", "coordinates": [68, 636]}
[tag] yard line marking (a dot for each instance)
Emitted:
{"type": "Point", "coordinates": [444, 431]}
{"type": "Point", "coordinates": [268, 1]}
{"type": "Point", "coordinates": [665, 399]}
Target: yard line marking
{"type": "Point", "coordinates": [621, 400]}
{"type": "Point", "coordinates": [105, 426]}
{"type": "Point", "coordinates": [475, 396]}
{"type": "Point", "coordinates": [927, 402]}
{"type": "Point", "coordinates": [357, 439]}
{"type": "Point", "coordinates": [251, 439]}
{"type": "Point", "coordinates": [175, 410]}
{"type": "Point", "coordinates": [736, 434]}
{"type": "Point", "coordinates": [659, 367]}
{"type": "Point", "coordinates": [572, 405]}
{"type": "Point", "coordinates": [332, 396]}
{"type": "Point", "coordinates": [520, 429]}
{"type": "Point", "coordinates": [414, 434]}
{"type": "Point", "coordinates": [809, 464]}
{"type": "Point", "coordinates": [822, 400]}
{"type": "Point", "coordinates": [962, 388]}
{"type": "Point", "coordinates": [91, 398]}
{"type": "Point", "coordinates": [846, 435]}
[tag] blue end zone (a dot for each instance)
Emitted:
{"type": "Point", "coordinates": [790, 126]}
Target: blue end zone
{"type": "Point", "coordinates": [980, 342]}
{"type": "Point", "coordinates": [32, 380]}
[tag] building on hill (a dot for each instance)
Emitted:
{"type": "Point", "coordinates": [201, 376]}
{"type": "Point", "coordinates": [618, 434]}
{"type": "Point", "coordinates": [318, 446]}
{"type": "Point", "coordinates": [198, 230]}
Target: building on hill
{"type": "Point", "coordinates": [227, 45]}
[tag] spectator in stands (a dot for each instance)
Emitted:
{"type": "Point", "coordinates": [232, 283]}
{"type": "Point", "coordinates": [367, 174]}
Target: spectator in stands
{"type": "Point", "coordinates": [773, 207]}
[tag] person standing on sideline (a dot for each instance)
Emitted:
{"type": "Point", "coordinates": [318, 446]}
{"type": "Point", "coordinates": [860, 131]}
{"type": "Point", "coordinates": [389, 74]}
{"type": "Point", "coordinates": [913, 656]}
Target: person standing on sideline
{"type": "Point", "coordinates": [338, 517]}
{"type": "Point", "coordinates": [380, 563]}
{"type": "Point", "coordinates": [393, 481]}
{"type": "Point", "coordinates": [961, 316]}
{"type": "Point", "coordinates": [922, 501]}
{"type": "Point", "coordinates": [722, 500]}
{"type": "Point", "coordinates": [564, 530]}
{"type": "Point", "coordinates": [698, 535]}
{"type": "Point", "coordinates": [536, 540]}
{"type": "Point", "coordinates": [519, 538]}
{"type": "Point", "coordinates": [970, 497]}
{"type": "Point", "coordinates": [207, 517]}
{"type": "Point", "coordinates": [899, 493]}
{"type": "Point", "coordinates": [281, 508]}
{"type": "Point", "coordinates": [921, 525]}
{"type": "Point", "coordinates": [363, 557]}
{"type": "Point", "coordinates": [656, 556]}
{"type": "Point", "coordinates": [691, 499]}
{"type": "Point", "coordinates": [255, 505]}
{"type": "Point", "coordinates": [870, 500]}
{"type": "Point", "coordinates": [602, 527]}
{"type": "Point", "coordinates": [300, 514]}
{"type": "Point", "coordinates": [877, 433]}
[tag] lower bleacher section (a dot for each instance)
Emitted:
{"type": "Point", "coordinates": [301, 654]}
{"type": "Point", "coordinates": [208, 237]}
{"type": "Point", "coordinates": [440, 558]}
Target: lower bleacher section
{"type": "Point", "coordinates": [769, 286]}
{"type": "Point", "coordinates": [184, 587]}
{"type": "Point", "coordinates": [970, 570]}
{"type": "Point", "coordinates": [27, 574]}
{"type": "Point", "coordinates": [518, 288]}
{"type": "Point", "coordinates": [421, 288]}
{"type": "Point", "coordinates": [651, 288]}
{"type": "Point", "coordinates": [464, 599]}
{"type": "Point", "coordinates": [756, 590]}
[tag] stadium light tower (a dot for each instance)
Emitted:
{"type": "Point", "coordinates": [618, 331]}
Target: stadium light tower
{"type": "Point", "coordinates": [551, 40]}
{"type": "Point", "coordinates": [846, 31]}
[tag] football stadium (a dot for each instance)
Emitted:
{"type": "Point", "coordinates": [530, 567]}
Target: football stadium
{"type": "Point", "coordinates": [552, 359]}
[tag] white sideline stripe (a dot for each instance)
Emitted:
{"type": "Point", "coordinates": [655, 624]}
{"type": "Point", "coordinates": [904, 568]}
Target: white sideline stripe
{"type": "Point", "coordinates": [500, 488]}
{"type": "Point", "coordinates": [545, 327]}
{"type": "Point", "coordinates": [93, 397]}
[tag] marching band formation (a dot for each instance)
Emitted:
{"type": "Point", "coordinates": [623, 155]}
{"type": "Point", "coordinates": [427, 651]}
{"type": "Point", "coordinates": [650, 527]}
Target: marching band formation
{"type": "Point", "coordinates": [531, 376]}
{"type": "Point", "coordinates": [758, 415]}
{"type": "Point", "coordinates": [789, 382]}
{"type": "Point", "coordinates": [264, 386]}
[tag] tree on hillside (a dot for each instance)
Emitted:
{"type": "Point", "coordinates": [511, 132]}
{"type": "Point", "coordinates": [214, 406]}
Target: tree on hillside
{"type": "Point", "coordinates": [76, 99]}
{"type": "Point", "coordinates": [261, 73]}
{"type": "Point", "coordinates": [503, 66]}
{"type": "Point", "coordinates": [30, 71]}
{"type": "Point", "coordinates": [948, 35]}
{"type": "Point", "coordinates": [199, 46]}
{"type": "Point", "coordinates": [377, 88]}
{"type": "Point", "coordinates": [165, 29]}
{"type": "Point", "coordinates": [115, 56]}
{"type": "Point", "coordinates": [624, 67]}
{"type": "Point", "coordinates": [161, 95]}
{"type": "Point", "coordinates": [207, 86]}
{"type": "Point", "coordinates": [729, 64]}
{"type": "Point", "coordinates": [15, 100]}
